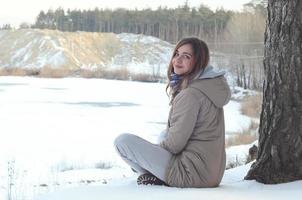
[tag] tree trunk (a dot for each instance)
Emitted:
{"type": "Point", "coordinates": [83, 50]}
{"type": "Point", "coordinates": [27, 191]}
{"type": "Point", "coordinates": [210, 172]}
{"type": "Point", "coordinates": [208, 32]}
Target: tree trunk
{"type": "Point", "coordinates": [279, 157]}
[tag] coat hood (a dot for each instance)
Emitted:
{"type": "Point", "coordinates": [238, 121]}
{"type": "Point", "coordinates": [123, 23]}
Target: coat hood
{"type": "Point", "coordinates": [212, 83]}
{"type": "Point", "coordinates": [210, 72]}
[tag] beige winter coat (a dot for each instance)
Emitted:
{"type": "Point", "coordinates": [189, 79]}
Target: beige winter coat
{"type": "Point", "coordinates": [195, 134]}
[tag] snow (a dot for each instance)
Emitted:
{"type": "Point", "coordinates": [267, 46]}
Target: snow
{"type": "Point", "coordinates": [137, 54]}
{"type": "Point", "coordinates": [56, 46]}
{"type": "Point", "coordinates": [238, 154]}
{"type": "Point", "coordinates": [141, 67]}
{"type": "Point", "coordinates": [2, 33]}
{"type": "Point", "coordinates": [43, 48]}
{"type": "Point", "coordinates": [234, 120]}
{"type": "Point", "coordinates": [59, 133]}
{"type": "Point", "coordinates": [239, 93]}
{"type": "Point", "coordinates": [130, 38]}
{"type": "Point", "coordinates": [57, 59]}
{"type": "Point", "coordinates": [232, 187]}
{"type": "Point", "coordinates": [22, 54]}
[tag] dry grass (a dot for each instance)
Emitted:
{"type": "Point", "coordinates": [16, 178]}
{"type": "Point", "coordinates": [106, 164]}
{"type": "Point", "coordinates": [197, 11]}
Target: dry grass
{"type": "Point", "coordinates": [49, 72]}
{"type": "Point", "coordinates": [241, 138]}
{"type": "Point", "coordinates": [246, 136]}
{"type": "Point", "coordinates": [147, 78]}
{"type": "Point", "coordinates": [90, 73]}
{"type": "Point", "coordinates": [119, 74]}
{"type": "Point", "coordinates": [15, 71]}
{"type": "Point", "coordinates": [251, 106]}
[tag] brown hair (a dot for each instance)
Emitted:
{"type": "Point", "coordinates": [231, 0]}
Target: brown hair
{"type": "Point", "coordinates": [201, 58]}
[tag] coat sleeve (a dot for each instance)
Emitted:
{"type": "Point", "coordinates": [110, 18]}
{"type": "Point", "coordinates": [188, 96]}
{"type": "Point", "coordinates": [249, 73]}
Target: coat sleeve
{"type": "Point", "coordinates": [182, 121]}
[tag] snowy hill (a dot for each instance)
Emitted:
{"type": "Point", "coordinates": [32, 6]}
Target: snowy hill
{"type": "Point", "coordinates": [32, 48]}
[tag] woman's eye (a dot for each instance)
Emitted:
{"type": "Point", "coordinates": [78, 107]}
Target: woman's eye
{"type": "Point", "coordinates": [182, 56]}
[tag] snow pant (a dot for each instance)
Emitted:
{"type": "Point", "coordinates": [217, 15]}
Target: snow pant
{"type": "Point", "coordinates": [143, 156]}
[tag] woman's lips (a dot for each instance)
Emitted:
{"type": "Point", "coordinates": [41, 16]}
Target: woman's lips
{"type": "Point", "coordinates": [178, 66]}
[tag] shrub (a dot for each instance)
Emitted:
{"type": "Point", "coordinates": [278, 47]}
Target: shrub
{"type": "Point", "coordinates": [12, 71]}
{"type": "Point", "coordinates": [251, 106]}
{"type": "Point", "coordinates": [103, 165]}
{"type": "Point", "coordinates": [49, 72]}
{"type": "Point", "coordinates": [246, 136]}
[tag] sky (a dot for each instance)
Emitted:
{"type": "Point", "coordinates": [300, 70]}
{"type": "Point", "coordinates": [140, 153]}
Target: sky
{"type": "Point", "coordinates": [15, 12]}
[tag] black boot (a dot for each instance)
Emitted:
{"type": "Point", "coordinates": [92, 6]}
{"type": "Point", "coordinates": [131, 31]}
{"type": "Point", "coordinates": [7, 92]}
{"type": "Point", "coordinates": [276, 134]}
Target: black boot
{"type": "Point", "coordinates": [149, 179]}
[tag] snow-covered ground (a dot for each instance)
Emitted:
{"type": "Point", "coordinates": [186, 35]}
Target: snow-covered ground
{"type": "Point", "coordinates": [57, 141]}
{"type": "Point", "coordinates": [231, 188]}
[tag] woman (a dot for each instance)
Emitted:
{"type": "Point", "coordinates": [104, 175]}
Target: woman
{"type": "Point", "coordinates": [192, 154]}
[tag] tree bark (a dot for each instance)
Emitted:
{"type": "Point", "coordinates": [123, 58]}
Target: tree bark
{"type": "Point", "coordinates": [279, 157]}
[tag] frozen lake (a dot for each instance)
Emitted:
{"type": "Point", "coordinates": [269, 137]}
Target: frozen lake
{"type": "Point", "coordinates": [59, 124]}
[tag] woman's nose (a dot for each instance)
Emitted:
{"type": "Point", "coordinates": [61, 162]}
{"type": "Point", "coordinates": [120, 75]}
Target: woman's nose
{"type": "Point", "coordinates": [179, 59]}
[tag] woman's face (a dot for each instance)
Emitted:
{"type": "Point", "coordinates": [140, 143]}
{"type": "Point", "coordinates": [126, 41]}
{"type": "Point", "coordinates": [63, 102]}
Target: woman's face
{"type": "Point", "coordinates": [182, 60]}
